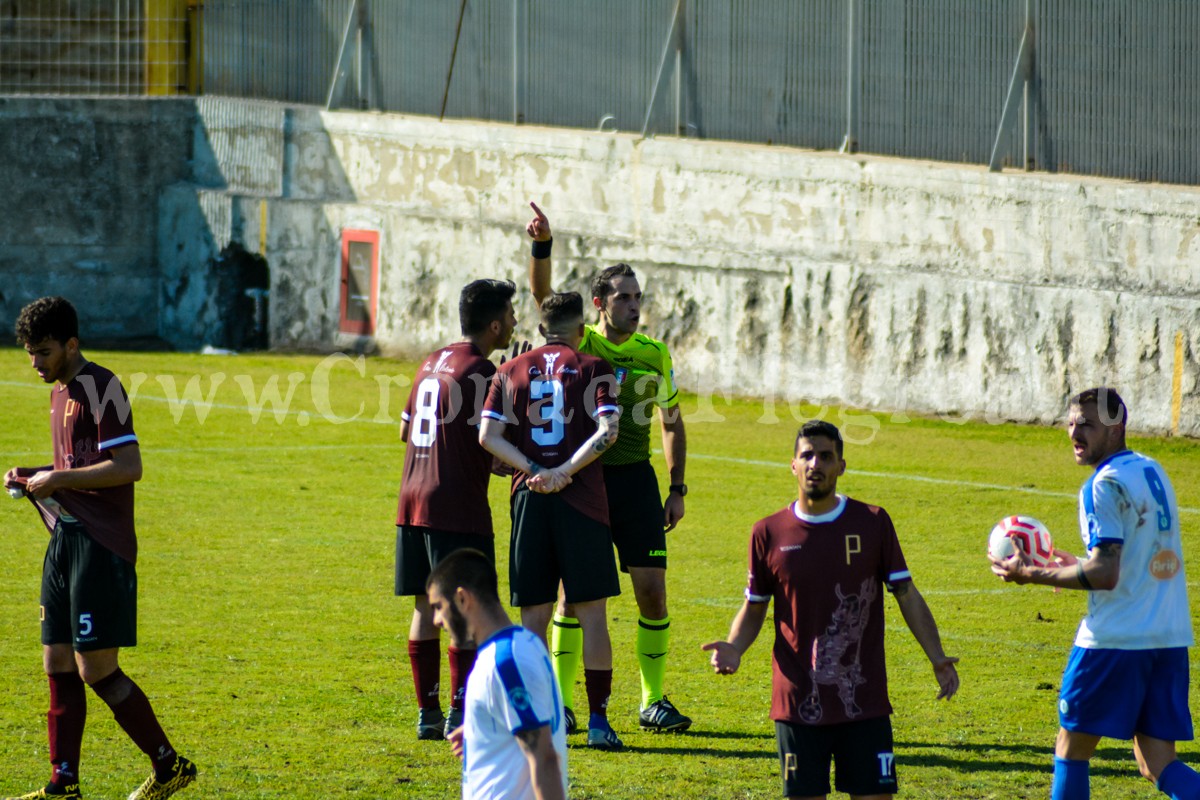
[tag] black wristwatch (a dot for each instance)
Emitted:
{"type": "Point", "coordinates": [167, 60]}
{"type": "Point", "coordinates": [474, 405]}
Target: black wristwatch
{"type": "Point", "coordinates": [678, 488]}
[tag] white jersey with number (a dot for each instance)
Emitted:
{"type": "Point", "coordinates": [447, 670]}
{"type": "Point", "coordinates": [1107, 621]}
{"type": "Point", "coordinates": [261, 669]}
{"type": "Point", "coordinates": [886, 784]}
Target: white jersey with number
{"type": "Point", "coordinates": [511, 689]}
{"type": "Point", "coordinates": [1128, 500]}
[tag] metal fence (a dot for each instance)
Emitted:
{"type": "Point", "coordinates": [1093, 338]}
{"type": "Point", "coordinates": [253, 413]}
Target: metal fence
{"type": "Point", "coordinates": [98, 47]}
{"type": "Point", "coordinates": [1107, 87]}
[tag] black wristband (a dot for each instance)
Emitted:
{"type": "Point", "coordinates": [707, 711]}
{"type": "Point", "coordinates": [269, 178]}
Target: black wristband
{"type": "Point", "coordinates": [1083, 581]}
{"type": "Point", "coordinates": [542, 249]}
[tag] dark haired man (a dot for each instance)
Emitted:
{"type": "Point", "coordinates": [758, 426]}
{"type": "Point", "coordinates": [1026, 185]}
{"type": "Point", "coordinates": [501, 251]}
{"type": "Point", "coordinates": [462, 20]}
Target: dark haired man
{"type": "Point", "coordinates": [1127, 675]}
{"type": "Point", "coordinates": [639, 517]}
{"type": "Point", "coordinates": [514, 742]}
{"type": "Point", "coordinates": [443, 494]}
{"type": "Point", "coordinates": [549, 415]}
{"type": "Point", "coordinates": [822, 559]}
{"type": "Point", "coordinates": [89, 583]}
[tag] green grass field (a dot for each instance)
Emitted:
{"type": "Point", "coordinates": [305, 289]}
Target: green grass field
{"type": "Point", "coordinates": [274, 651]}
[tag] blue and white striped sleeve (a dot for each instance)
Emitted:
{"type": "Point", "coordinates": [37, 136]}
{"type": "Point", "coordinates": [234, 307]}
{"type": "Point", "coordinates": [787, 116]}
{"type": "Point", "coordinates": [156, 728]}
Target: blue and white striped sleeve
{"type": "Point", "coordinates": [527, 692]}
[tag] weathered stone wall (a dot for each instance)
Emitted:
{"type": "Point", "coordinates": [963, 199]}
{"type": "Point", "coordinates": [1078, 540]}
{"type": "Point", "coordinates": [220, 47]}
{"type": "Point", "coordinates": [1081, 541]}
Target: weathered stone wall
{"type": "Point", "coordinates": [79, 187]}
{"type": "Point", "coordinates": [875, 282]}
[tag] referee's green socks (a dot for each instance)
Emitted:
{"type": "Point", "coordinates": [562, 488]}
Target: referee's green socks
{"type": "Point", "coordinates": [653, 637]}
{"type": "Point", "coordinates": [566, 651]}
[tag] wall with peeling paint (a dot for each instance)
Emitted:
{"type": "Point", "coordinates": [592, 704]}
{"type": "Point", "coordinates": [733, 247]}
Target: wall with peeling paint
{"type": "Point", "coordinates": [880, 283]}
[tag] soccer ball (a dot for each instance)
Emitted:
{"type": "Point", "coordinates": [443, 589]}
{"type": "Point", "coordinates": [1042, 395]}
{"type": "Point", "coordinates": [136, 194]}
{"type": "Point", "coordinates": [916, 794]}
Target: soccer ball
{"type": "Point", "coordinates": [1025, 533]}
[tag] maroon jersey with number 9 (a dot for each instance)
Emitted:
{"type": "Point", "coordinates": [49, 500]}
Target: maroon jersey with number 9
{"type": "Point", "coordinates": [549, 400]}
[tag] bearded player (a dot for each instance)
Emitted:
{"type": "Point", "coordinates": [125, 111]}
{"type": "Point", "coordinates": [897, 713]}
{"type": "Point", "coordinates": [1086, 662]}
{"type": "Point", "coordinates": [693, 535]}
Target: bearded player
{"type": "Point", "coordinates": [443, 495]}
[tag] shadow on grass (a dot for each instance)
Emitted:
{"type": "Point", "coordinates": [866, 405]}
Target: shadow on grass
{"type": "Point", "coordinates": [686, 744]}
{"type": "Point", "coordinates": [1025, 757]}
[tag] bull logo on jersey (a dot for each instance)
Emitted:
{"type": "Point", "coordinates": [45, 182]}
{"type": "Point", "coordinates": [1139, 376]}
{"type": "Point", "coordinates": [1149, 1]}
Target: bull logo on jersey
{"type": "Point", "coordinates": [550, 359]}
{"type": "Point", "coordinates": [85, 453]}
{"type": "Point", "coordinates": [833, 661]}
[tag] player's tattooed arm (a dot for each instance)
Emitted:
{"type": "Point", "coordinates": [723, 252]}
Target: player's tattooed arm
{"type": "Point", "coordinates": [1102, 570]}
{"type": "Point", "coordinates": [545, 770]}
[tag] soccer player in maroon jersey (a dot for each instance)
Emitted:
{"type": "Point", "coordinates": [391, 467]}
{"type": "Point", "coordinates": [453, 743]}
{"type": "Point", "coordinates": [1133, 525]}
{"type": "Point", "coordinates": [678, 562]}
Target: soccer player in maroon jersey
{"type": "Point", "coordinates": [549, 415]}
{"type": "Point", "coordinates": [823, 560]}
{"type": "Point", "coordinates": [89, 584]}
{"type": "Point", "coordinates": [443, 503]}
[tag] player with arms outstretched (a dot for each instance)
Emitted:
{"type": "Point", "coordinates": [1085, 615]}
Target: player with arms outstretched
{"type": "Point", "coordinates": [1127, 675]}
{"type": "Point", "coordinates": [89, 583]}
{"type": "Point", "coordinates": [639, 517]}
{"type": "Point", "coordinates": [823, 561]}
{"type": "Point", "coordinates": [550, 414]}
{"type": "Point", "coordinates": [443, 495]}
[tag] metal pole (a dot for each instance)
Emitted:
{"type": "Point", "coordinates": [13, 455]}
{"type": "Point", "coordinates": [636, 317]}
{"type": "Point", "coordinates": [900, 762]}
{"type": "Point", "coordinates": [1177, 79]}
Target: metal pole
{"type": "Point", "coordinates": [850, 143]}
{"type": "Point", "coordinates": [679, 128]}
{"type": "Point", "coordinates": [339, 68]}
{"type": "Point", "coordinates": [453, 55]}
{"type": "Point", "coordinates": [520, 58]}
{"type": "Point", "coordinates": [662, 65]}
{"type": "Point", "coordinates": [1028, 141]}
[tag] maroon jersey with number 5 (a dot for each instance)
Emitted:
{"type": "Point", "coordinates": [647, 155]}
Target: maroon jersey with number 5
{"type": "Point", "coordinates": [89, 418]}
{"type": "Point", "coordinates": [549, 400]}
{"type": "Point", "coordinates": [825, 574]}
{"type": "Point", "coordinates": [446, 470]}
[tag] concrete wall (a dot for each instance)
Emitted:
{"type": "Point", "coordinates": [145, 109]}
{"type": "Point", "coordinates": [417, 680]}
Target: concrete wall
{"type": "Point", "coordinates": [79, 187]}
{"type": "Point", "coordinates": [880, 283]}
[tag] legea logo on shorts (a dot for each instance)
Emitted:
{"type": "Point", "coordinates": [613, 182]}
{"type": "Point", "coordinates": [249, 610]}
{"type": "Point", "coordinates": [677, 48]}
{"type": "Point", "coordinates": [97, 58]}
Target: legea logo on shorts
{"type": "Point", "coordinates": [662, 553]}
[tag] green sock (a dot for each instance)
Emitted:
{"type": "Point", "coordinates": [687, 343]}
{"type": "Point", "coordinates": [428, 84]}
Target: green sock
{"type": "Point", "coordinates": [566, 651]}
{"type": "Point", "coordinates": [653, 637]}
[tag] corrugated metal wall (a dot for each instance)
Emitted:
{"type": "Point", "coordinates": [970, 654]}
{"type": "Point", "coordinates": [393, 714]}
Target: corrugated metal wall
{"type": "Point", "coordinates": [1116, 88]}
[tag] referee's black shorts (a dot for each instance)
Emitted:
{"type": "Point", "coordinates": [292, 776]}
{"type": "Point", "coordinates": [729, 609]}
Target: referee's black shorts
{"type": "Point", "coordinates": [635, 513]}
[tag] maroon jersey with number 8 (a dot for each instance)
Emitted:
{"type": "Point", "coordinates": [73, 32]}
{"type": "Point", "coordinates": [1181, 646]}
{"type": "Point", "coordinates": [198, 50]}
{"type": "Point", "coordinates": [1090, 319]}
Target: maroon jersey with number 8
{"type": "Point", "coordinates": [549, 400]}
{"type": "Point", "coordinates": [446, 471]}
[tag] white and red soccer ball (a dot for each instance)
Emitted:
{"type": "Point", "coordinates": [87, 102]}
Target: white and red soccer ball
{"type": "Point", "coordinates": [1025, 533]}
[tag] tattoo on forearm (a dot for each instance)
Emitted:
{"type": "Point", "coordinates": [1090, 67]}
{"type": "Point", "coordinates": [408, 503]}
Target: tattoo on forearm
{"type": "Point", "coordinates": [1081, 576]}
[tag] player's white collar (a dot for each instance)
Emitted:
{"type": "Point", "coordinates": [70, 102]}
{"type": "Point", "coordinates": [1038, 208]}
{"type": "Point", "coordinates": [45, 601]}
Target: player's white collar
{"type": "Point", "coordinates": [828, 516]}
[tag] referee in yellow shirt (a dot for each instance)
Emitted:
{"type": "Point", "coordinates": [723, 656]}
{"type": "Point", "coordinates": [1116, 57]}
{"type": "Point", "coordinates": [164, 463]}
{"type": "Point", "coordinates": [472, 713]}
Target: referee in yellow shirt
{"type": "Point", "coordinates": [639, 517]}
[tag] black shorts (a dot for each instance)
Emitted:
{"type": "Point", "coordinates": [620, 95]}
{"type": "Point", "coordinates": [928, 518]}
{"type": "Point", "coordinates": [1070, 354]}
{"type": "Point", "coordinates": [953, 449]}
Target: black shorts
{"type": "Point", "coordinates": [419, 550]}
{"type": "Point", "coordinates": [635, 512]}
{"type": "Point", "coordinates": [861, 752]}
{"type": "Point", "coordinates": [553, 541]}
{"type": "Point", "coordinates": [89, 593]}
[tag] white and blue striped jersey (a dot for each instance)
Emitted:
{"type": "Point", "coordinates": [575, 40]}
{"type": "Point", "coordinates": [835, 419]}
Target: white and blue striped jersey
{"type": "Point", "coordinates": [1129, 500]}
{"type": "Point", "coordinates": [511, 689]}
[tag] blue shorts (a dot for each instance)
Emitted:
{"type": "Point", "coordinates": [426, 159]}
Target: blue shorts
{"type": "Point", "coordinates": [1117, 693]}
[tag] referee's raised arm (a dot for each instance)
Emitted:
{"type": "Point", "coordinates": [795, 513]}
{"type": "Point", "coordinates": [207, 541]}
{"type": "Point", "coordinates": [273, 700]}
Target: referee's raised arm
{"type": "Point", "coordinates": [539, 259]}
